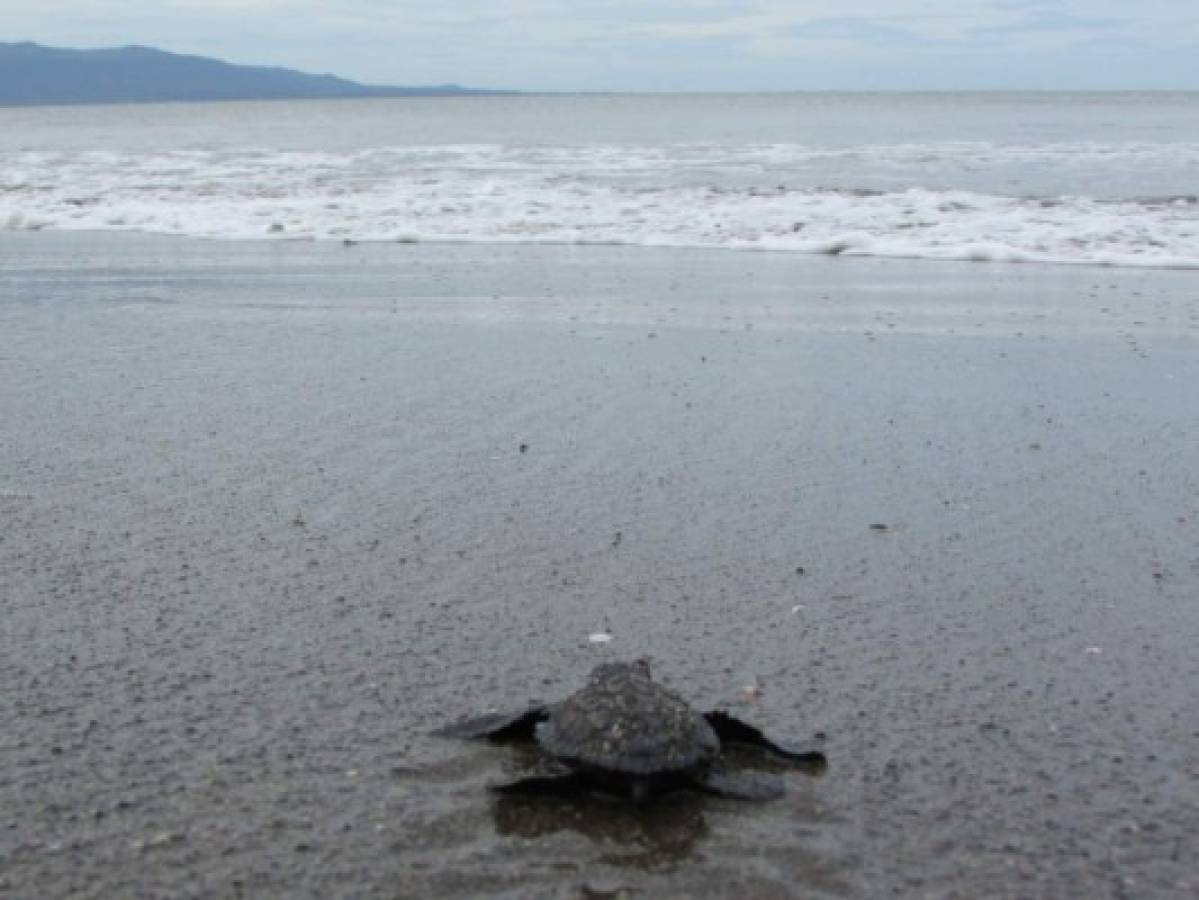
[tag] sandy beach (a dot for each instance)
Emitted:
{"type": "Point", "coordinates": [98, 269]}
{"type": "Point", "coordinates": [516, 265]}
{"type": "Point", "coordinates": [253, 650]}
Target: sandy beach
{"type": "Point", "coordinates": [272, 511]}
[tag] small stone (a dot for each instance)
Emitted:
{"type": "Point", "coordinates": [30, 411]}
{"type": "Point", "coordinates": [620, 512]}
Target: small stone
{"type": "Point", "coordinates": [600, 890]}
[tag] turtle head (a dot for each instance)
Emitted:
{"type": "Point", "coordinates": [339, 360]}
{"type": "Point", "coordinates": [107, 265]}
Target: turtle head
{"type": "Point", "coordinates": [637, 668]}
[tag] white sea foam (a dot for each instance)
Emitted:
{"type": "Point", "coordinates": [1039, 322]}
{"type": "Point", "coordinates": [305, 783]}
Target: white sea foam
{"type": "Point", "coordinates": [767, 196]}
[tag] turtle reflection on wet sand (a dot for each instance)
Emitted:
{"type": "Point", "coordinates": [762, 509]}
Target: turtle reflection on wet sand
{"type": "Point", "coordinates": [625, 734]}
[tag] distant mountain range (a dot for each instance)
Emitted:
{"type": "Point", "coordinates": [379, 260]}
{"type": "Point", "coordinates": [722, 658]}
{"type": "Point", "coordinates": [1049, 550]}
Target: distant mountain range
{"type": "Point", "coordinates": [31, 74]}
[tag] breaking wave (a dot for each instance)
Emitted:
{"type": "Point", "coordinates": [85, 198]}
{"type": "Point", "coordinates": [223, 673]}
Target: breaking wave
{"type": "Point", "coordinates": [713, 196]}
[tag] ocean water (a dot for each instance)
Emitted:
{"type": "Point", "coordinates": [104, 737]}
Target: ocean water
{"type": "Point", "coordinates": [1100, 179]}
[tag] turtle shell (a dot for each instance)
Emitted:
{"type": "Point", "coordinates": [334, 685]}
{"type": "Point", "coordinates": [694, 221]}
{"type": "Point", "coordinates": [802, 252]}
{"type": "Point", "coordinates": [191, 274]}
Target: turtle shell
{"type": "Point", "coordinates": [624, 722]}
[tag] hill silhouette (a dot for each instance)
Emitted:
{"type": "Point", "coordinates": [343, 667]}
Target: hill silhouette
{"type": "Point", "coordinates": [31, 74]}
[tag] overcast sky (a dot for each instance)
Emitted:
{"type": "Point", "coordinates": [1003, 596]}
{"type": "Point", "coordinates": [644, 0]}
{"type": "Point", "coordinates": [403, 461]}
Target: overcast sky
{"type": "Point", "coordinates": [659, 44]}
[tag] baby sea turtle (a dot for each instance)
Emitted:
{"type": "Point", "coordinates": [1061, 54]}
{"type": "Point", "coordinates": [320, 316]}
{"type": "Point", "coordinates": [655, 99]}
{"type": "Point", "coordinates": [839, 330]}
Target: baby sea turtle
{"type": "Point", "coordinates": [625, 734]}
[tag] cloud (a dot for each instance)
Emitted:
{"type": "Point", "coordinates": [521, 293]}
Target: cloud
{"type": "Point", "coordinates": [629, 44]}
{"type": "Point", "coordinates": [1048, 21]}
{"type": "Point", "coordinates": [1025, 5]}
{"type": "Point", "coordinates": [859, 31]}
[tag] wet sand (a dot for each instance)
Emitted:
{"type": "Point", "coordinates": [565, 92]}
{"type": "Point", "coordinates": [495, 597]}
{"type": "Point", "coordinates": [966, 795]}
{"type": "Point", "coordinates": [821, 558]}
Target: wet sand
{"type": "Point", "coordinates": [266, 521]}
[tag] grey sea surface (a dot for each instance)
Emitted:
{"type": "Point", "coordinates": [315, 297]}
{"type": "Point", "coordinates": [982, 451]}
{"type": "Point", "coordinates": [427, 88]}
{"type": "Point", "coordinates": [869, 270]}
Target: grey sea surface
{"type": "Point", "coordinates": [267, 522]}
{"type": "Point", "coordinates": [1123, 144]}
{"type": "Point", "coordinates": [1096, 179]}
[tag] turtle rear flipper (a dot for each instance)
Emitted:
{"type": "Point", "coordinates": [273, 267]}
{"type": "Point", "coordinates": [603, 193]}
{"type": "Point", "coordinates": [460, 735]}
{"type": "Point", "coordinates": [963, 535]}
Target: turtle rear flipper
{"type": "Point", "coordinates": [496, 726]}
{"type": "Point", "coordinates": [569, 785]}
{"type": "Point", "coordinates": [732, 730]}
{"type": "Point", "coordinates": [742, 786]}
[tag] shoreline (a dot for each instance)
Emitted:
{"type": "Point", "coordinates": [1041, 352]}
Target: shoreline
{"type": "Point", "coordinates": [268, 522]}
{"type": "Point", "coordinates": [838, 247]}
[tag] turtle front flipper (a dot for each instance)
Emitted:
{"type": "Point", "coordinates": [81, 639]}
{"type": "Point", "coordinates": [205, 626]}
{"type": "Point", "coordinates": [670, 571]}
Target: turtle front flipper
{"type": "Point", "coordinates": [569, 785]}
{"type": "Point", "coordinates": [496, 726]}
{"type": "Point", "coordinates": [731, 729]}
{"type": "Point", "coordinates": [742, 786]}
